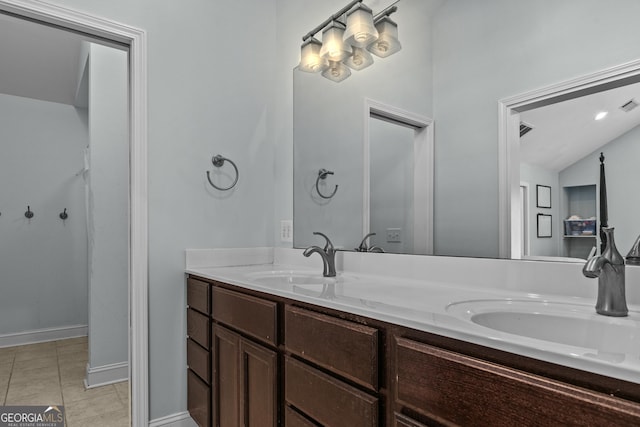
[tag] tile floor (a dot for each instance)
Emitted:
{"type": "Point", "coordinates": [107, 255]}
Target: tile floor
{"type": "Point", "coordinates": [52, 373]}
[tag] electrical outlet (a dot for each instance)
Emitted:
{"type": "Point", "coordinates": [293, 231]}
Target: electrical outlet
{"type": "Point", "coordinates": [394, 235]}
{"type": "Point", "coordinates": [286, 230]}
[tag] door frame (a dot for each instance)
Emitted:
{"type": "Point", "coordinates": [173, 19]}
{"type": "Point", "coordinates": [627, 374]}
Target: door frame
{"type": "Point", "coordinates": [509, 110]}
{"type": "Point", "coordinates": [135, 39]}
{"type": "Point", "coordinates": [422, 178]}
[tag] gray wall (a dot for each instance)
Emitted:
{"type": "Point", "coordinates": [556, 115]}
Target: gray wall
{"type": "Point", "coordinates": [498, 49]}
{"type": "Point", "coordinates": [391, 191]}
{"type": "Point", "coordinates": [211, 90]}
{"type": "Point", "coordinates": [43, 260]}
{"type": "Point", "coordinates": [109, 203]}
{"type": "Point", "coordinates": [329, 119]}
{"type": "Point", "coordinates": [539, 176]}
{"type": "Point", "coordinates": [621, 164]}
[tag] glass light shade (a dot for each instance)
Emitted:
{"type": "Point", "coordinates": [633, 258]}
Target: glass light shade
{"type": "Point", "coordinates": [360, 59]}
{"type": "Point", "coordinates": [387, 43]}
{"type": "Point", "coordinates": [333, 47]}
{"type": "Point", "coordinates": [310, 59]}
{"type": "Point", "coordinates": [360, 30]}
{"type": "Point", "coordinates": [336, 72]}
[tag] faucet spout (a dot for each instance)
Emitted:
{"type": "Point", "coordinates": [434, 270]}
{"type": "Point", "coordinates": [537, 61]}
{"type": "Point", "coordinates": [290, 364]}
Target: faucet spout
{"type": "Point", "coordinates": [608, 268]}
{"type": "Point", "coordinates": [594, 265]}
{"type": "Point", "coordinates": [328, 255]}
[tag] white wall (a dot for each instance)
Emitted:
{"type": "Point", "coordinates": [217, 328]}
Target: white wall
{"type": "Point", "coordinates": [43, 260]}
{"type": "Point", "coordinates": [109, 204]}
{"type": "Point", "coordinates": [485, 51]}
{"type": "Point", "coordinates": [621, 164]}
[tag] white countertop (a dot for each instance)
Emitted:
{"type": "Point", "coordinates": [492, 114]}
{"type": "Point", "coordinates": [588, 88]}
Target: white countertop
{"type": "Point", "coordinates": [445, 308]}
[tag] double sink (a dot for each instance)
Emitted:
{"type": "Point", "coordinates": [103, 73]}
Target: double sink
{"type": "Point", "coordinates": [560, 322]}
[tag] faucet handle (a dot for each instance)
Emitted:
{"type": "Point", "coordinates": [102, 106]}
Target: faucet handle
{"type": "Point", "coordinates": [363, 244]}
{"type": "Point", "coordinates": [633, 257]}
{"type": "Point", "coordinates": [328, 246]}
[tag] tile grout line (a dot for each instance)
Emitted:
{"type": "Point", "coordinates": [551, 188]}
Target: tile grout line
{"type": "Point", "coordinates": [66, 421]}
{"type": "Point", "coordinates": [6, 392]}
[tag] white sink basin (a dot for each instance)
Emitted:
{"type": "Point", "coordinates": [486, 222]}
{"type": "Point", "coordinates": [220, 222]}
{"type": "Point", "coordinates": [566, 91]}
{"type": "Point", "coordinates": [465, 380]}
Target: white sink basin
{"type": "Point", "coordinates": [289, 278]}
{"type": "Point", "coordinates": [564, 323]}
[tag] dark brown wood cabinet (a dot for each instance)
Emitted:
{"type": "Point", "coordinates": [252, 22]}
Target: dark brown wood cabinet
{"type": "Point", "coordinates": [260, 360]}
{"type": "Point", "coordinates": [245, 381]}
{"type": "Point", "coordinates": [461, 390]}
{"type": "Point", "coordinates": [198, 351]}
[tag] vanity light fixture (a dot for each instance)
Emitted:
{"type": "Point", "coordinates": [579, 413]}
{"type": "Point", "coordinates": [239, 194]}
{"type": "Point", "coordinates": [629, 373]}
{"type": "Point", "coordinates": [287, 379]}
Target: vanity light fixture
{"type": "Point", "coordinates": [601, 115]}
{"type": "Point", "coordinates": [349, 36]}
{"type": "Point", "coordinates": [387, 43]}
{"type": "Point", "coordinates": [333, 46]}
{"type": "Point", "coordinates": [336, 72]}
{"type": "Point", "coordinates": [310, 59]}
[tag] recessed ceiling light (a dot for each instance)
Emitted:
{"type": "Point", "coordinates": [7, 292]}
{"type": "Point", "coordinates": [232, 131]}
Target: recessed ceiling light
{"type": "Point", "coordinates": [601, 115]}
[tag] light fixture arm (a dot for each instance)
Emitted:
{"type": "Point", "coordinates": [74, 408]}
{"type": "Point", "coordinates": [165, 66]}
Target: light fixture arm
{"type": "Point", "coordinates": [386, 12]}
{"type": "Point", "coordinates": [333, 17]}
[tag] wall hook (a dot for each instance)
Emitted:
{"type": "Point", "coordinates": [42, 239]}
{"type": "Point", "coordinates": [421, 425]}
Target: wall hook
{"type": "Point", "coordinates": [322, 174]}
{"type": "Point", "coordinates": [64, 215]}
{"type": "Point", "coordinates": [28, 213]}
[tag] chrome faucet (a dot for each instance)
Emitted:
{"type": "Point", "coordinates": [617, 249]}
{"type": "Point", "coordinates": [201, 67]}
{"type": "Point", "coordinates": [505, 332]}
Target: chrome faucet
{"type": "Point", "coordinates": [609, 269]}
{"type": "Point", "coordinates": [364, 248]}
{"type": "Point", "coordinates": [328, 255]}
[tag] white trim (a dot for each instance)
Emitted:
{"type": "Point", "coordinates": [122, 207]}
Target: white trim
{"type": "Point", "coordinates": [525, 225]}
{"type": "Point", "coordinates": [508, 135]}
{"type": "Point", "coordinates": [182, 419]}
{"type": "Point", "coordinates": [138, 263]}
{"type": "Point", "coordinates": [43, 335]}
{"type": "Point", "coordinates": [105, 375]}
{"type": "Point", "coordinates": [423, 176]}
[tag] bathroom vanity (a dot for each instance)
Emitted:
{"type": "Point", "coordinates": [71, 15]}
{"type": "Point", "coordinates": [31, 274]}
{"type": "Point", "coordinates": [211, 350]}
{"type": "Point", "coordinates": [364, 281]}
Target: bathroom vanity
{"type": "Point", "coordinates": [272, 345]}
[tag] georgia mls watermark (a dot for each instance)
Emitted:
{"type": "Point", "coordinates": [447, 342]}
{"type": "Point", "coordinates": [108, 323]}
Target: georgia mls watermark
{"type": "Point", "coordinates": [31, 416]}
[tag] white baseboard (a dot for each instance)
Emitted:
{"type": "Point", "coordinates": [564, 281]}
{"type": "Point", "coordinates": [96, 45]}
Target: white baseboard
{"type": "Point", "coordinates": [182, 419]}
{"type": "Point", "coordinates": [107, 374]}
{"type": "Point", "coordinates": [43, 335]}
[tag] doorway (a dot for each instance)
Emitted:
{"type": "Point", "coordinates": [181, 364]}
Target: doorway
{"type": "Point", "coordinates": [409, 136]}
{"type": "Point", "coordinates": [136, 275]}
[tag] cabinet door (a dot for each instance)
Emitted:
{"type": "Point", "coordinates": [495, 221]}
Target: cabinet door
{"type": "Point", "coordinates": [245, 382]}
{"type": "Point", "coordinates": [225, 398]}
{"type": "Point", "coordinates": [258, 385]}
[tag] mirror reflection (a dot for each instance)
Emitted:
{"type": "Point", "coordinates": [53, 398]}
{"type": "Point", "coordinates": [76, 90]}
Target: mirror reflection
{"type": "Point", "coordinates": [565, 156]}
{"type": "Point", "coordinates": [456, 79]}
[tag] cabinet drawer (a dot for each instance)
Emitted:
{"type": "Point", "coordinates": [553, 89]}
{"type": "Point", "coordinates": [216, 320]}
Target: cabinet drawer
{"type": "Point", "coordinates": [198, 295]}
{"type": "Point", "coordinates": [326, 399]}
{"type": "Point", "coordinates": [198, 398]}
{"type": "Point", "coordinates": [198, 360]}
{"type": "Point", "coordinates": [198, 328]}
{"type": "Point", "coordinates": [400, 420]}
{"type": "Point", "coordinates": [294, 419]}
{"type": "Point", "coordinates": [251, 315]}
{"type": "Point", "coordinates": [463, 390]}
{"type": "Point", "coordinates": [344, 347]}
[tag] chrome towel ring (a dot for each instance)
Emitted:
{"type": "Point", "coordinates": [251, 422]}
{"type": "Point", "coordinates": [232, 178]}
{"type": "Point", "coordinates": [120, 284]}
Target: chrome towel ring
{"type": "Point", "coordinates": [218, 161]}
{"type": "Point", "coordinates": [322, 174]}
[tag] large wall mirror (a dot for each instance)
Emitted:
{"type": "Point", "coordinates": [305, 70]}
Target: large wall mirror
{"type": "Point", "coordinates": [459, 59]}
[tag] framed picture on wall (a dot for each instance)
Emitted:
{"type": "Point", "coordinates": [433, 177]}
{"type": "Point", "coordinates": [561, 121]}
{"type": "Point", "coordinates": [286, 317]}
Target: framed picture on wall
{"type": "Point", "coordinates": [544, 225]}
{"type": "Point", "coordinates": [543, 196]}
